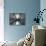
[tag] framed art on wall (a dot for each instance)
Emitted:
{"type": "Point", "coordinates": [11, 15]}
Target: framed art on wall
{"type": "Point", "coordinates": [17, 18]}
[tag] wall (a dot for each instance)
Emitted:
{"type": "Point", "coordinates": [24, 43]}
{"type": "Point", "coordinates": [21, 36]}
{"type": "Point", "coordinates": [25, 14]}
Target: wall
{"type": "Point", "coordinates": [1, 21]}
{"type": "Point", "coordinates": [29, 7]}
{"type": "Point", "coordinates": [43, 6]}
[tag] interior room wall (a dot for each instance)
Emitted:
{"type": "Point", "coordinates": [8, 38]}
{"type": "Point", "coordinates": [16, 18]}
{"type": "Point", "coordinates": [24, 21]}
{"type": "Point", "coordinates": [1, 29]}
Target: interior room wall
{"type": "Point", "coordinates": [29, 7]}
{"type": "Point", "coordinates": [1, 21]}
{"type": "Point", "coordinates": [43, 6]}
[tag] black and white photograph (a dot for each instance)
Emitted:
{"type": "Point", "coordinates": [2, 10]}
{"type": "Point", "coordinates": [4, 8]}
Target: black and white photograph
{"type": "Point", "coordinates": [17, 18]}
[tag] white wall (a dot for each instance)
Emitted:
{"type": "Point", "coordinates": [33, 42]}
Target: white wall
{"type": "Point", "coordinates": [43, 6]}
{"type": "Point", "coordinates": [1, 21]}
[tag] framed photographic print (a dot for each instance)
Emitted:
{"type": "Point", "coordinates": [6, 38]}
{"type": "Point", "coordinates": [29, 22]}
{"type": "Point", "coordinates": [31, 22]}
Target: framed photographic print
{"type": "Point", "coordinates": [17, 18]}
